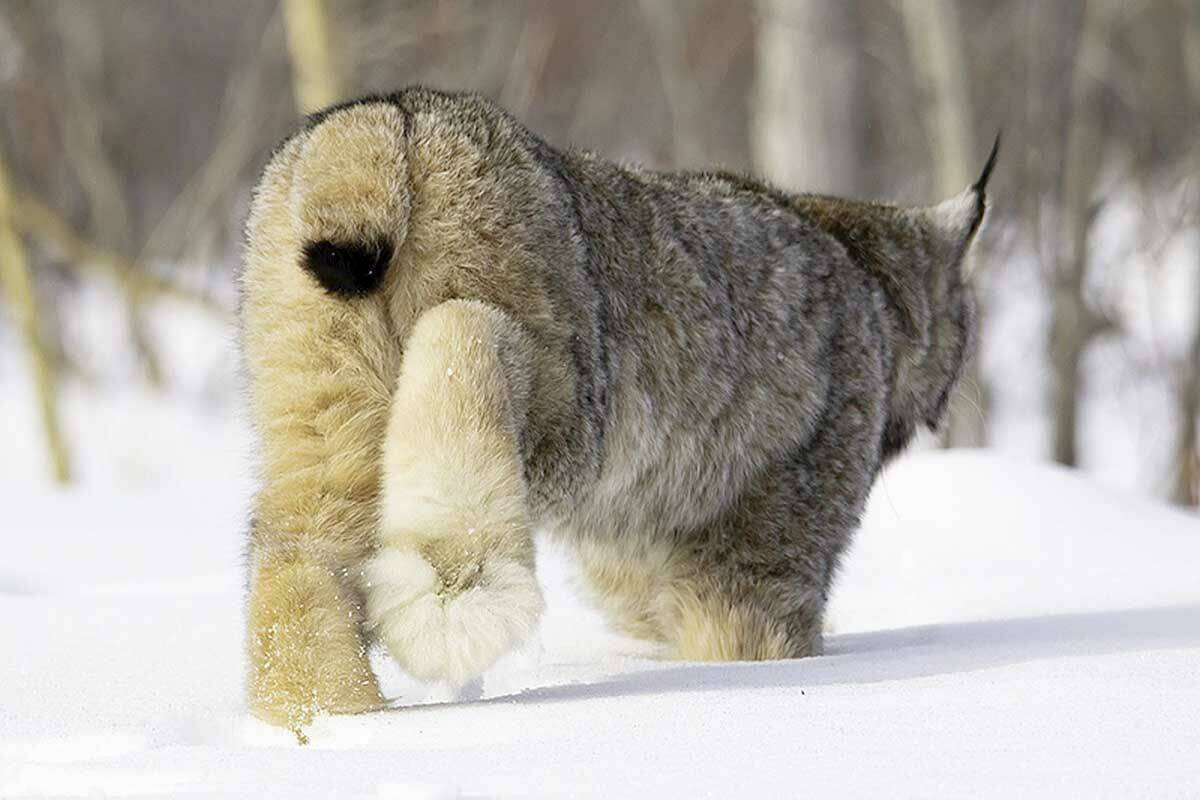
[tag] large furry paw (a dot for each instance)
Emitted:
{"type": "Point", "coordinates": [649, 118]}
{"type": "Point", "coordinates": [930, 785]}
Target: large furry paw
{"type": "Point", "coordinates": [307, 656]}
{"type": "Point", "coordinates": [450, 627]}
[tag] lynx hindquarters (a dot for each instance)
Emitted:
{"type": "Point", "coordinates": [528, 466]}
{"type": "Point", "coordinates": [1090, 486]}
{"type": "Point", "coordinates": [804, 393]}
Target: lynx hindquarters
{"type": "Point", "coordinates": [452, 586]}
{"type": "Point", "coordinates": [454, 332]}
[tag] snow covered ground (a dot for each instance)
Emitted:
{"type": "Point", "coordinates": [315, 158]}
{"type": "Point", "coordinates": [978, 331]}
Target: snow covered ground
{"type": "Point", "coordinates": [1000, 629]}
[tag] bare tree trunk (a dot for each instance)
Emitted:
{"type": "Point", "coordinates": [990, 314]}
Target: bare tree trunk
{"type": "Point", "coordinates": [1073, 324]}
{"type": "Point", "coordinates": [315, 75]}
{"type": "Point", "coordinates": [935, 43]}
{"type": "Point", "coordinates": [936, 47]}
{"type": "Point", "coordinates": [17, 282]}
{"type": "Point", "coordinates": [805, 95]}
{"type": "Point", "coordinates": [1186, 491]}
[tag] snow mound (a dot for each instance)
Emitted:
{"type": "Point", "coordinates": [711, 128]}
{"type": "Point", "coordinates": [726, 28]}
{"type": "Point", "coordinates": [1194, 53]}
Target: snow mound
{"type": "Point", "coordinates": [962, 535]}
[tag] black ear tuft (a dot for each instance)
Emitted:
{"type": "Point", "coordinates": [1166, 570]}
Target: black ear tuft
{"type": "Point", "coordinates": [347, 269]}
{"type": "Point", "coordinates": [980, 186]}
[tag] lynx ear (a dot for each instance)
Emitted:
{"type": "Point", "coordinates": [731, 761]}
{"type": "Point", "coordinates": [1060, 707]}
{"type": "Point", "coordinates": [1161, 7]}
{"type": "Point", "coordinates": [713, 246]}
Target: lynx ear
{"type": "Point", "coordinates": [960, 217]}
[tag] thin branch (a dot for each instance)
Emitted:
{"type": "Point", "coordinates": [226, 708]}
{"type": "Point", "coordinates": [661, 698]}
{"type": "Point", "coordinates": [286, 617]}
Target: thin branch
{"type": "Point", "coordinates": [527, 66]}
{"type": "Point", "coordinates": [82, 135]}
{"type": "Point", "coordinates": [81, 125]}
{"type": "Point", "coordinates": [237, 141]}
{"type": "Point", "coordinates": [41, 222]}
{"type": "Point", "coordinates": [17, 281]}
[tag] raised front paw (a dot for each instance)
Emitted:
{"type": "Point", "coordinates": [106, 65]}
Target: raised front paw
{"type": "Point", "coordinates": [453, 621]}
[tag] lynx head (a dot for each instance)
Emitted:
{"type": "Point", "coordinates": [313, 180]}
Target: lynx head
{"type": "Point", "coordinates": [920, 258]}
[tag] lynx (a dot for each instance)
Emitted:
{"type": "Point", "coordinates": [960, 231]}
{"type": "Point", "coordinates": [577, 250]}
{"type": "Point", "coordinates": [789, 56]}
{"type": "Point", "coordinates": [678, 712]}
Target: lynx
{"type": "Point", "coordinates": [455, 334]}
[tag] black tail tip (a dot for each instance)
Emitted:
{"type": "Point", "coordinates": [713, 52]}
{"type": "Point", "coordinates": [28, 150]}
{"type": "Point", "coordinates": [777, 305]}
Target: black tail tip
{"type": "Point", "coordinates": [980, 185]}
{"type": "Point", "coordinates": [347, 269]}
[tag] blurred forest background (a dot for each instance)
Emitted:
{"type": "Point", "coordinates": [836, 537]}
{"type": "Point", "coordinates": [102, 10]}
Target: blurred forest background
{"type": "Point", "coordinates": [131, 132]}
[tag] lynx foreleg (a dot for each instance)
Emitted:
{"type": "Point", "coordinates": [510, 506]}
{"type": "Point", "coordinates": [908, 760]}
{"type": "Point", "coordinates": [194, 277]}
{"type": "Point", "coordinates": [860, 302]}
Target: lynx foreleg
{"type": "Point", "coordinates": [452, 585]}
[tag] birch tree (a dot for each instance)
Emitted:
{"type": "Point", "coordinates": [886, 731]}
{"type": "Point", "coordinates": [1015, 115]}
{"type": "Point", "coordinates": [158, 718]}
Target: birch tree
{"type": "Point", "coordinates": [804, 95]}
{"type": "Point", "coordinates": [1074, 323]}
{"type": "Point", "coordinates": [1186, 489]}
{"type": "Point", "coordinates": [315, 77]}
{"type": "Point", "coordinates": [936, 48]}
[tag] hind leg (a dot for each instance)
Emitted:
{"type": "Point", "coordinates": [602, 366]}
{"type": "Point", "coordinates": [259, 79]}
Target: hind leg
{"type": "Point", "coordinates": [715, 618]}
{"type": "Point", "coordinates": [628, 585]}
{"type": "Point", "coordinates": [452, 587]}
{"type": "Point", "coordinates": [664, 595]}
{"type": "Point", "coordinates": [753, 585]}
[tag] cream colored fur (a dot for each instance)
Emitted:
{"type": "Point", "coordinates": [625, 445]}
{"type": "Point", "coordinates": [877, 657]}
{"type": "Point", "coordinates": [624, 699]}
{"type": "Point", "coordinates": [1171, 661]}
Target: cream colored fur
{"type": "Point", "coordinates": [322, 376]}
{"type": "Point", "coordinates": [446, 583]}
{"type": "Point", "coordinates": [709, 626]}
{"type": "Point", "coordinates": [644, 595]}
{"type": "Point", "coordinates": [306, 650]}
{"type": "Point", "coordinates": [452, 587]}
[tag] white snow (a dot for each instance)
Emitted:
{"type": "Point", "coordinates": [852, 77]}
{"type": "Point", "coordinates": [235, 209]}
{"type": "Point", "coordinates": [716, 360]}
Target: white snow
{"type": "Point", "coordinates": [1001, 629]}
